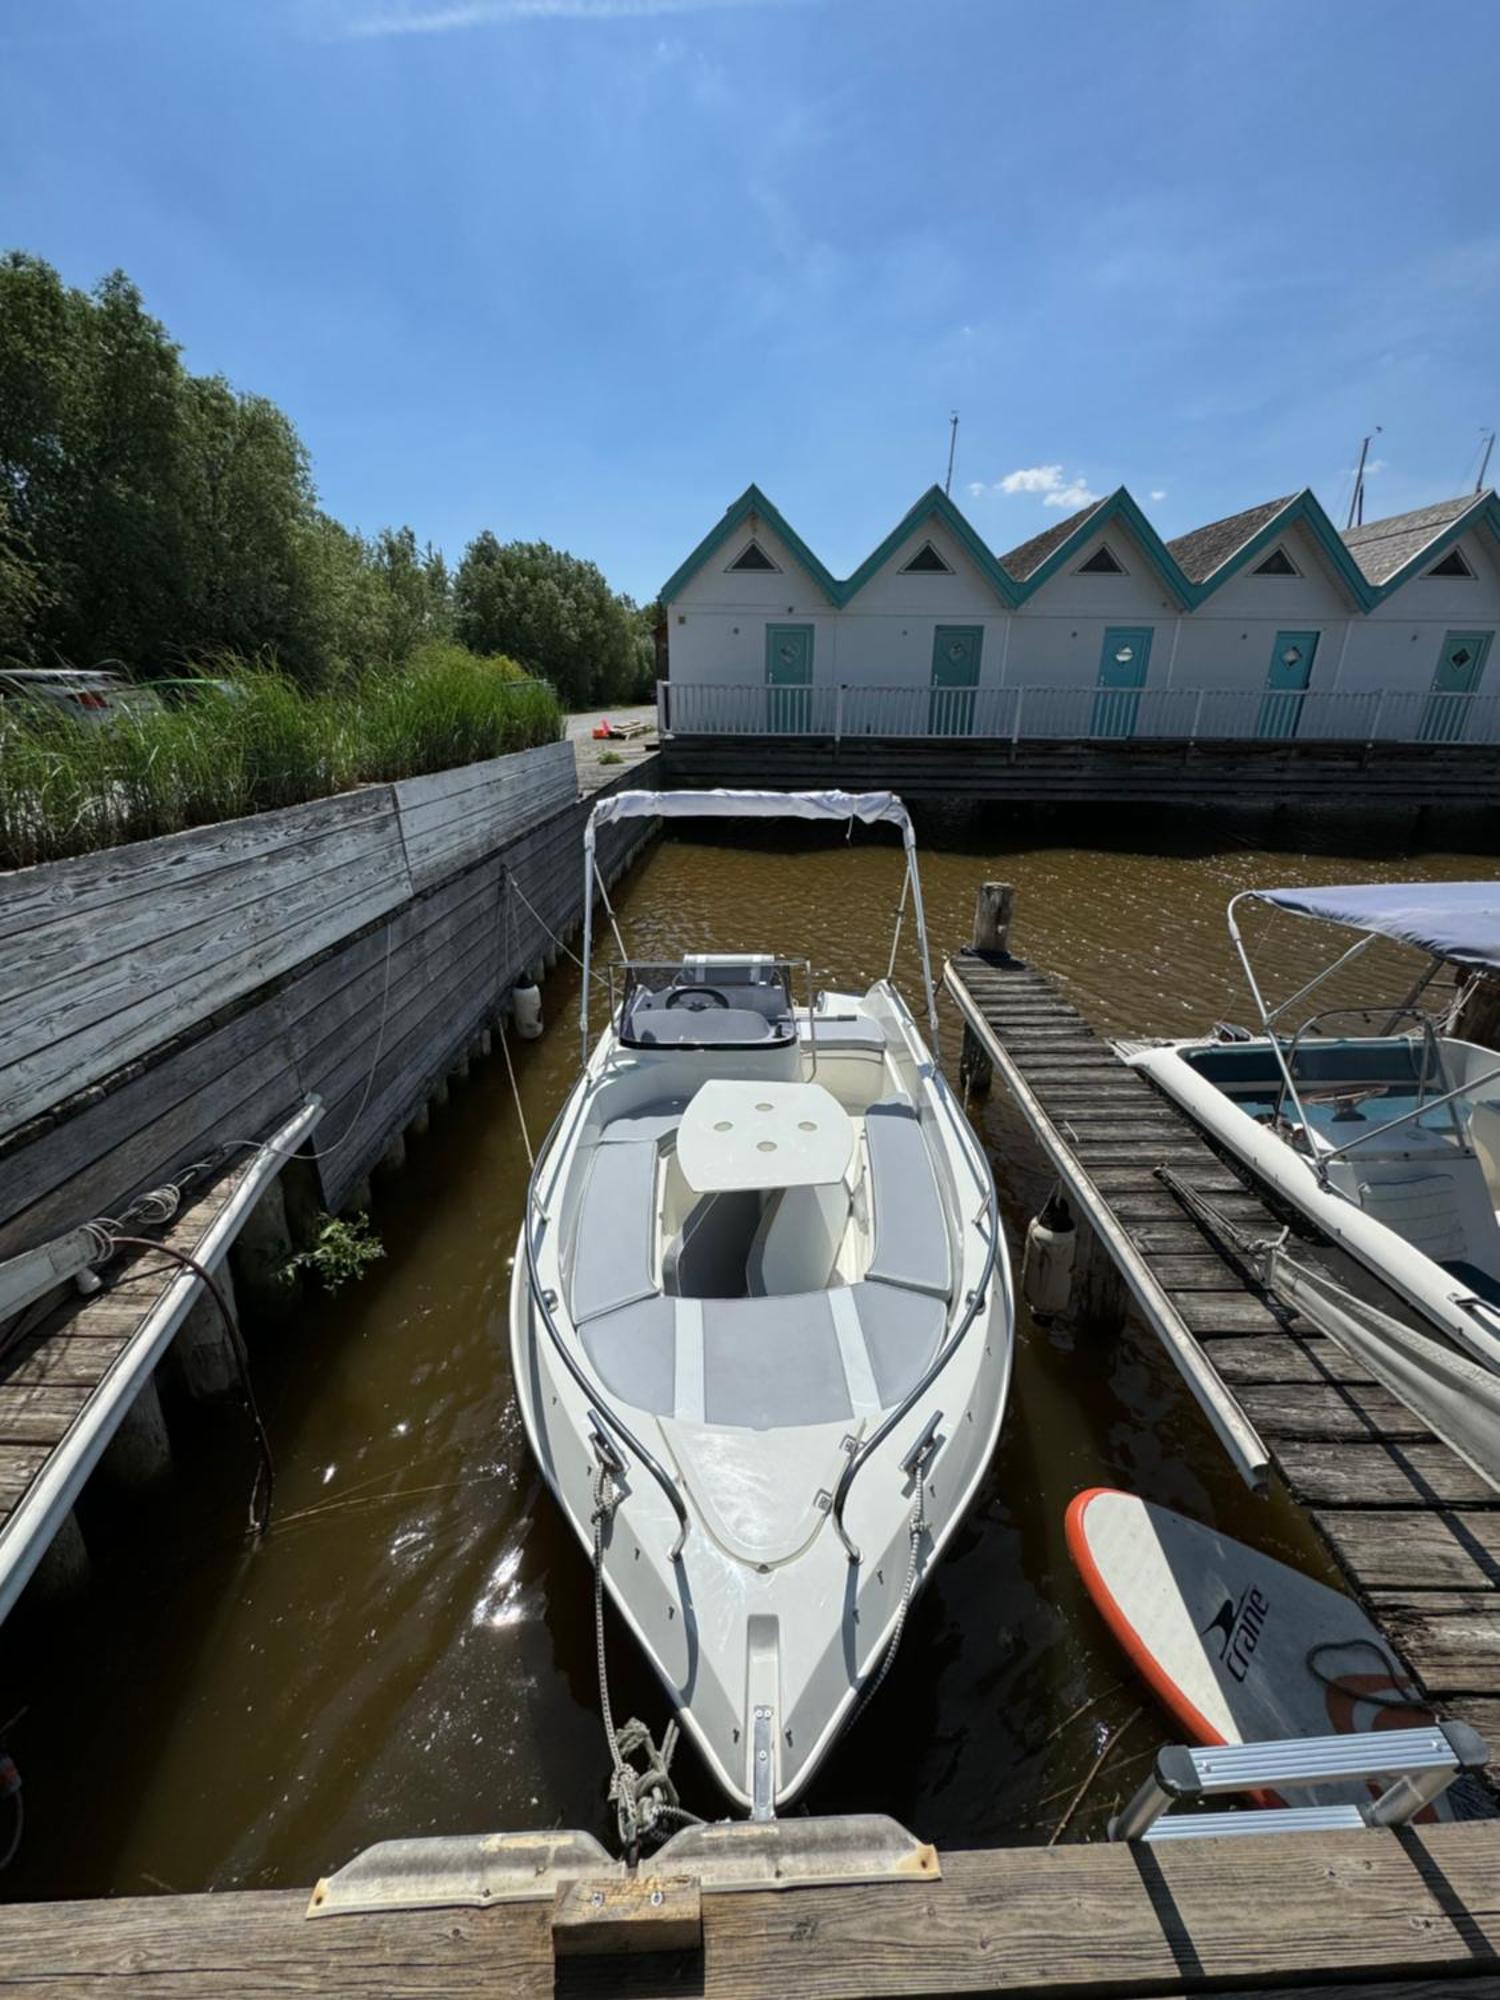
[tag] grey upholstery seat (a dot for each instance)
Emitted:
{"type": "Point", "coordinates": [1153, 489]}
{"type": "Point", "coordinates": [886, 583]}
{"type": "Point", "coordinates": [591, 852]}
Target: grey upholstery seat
{"type": "Point", "coordinates": [902, 1330]}
{"type": "Point", "coordinates": [911, 1236]}
{"type": "Point", "coordinates": [616, 1226]}
{"type": "Point", "coordinates": [634, 1352]}
{"type": "Point", "coordinates": [847, 1031]}
{"type": "Point", "coordinates": [663, 1027]}
{"type": "Point", "coordinates": [773, 1362]}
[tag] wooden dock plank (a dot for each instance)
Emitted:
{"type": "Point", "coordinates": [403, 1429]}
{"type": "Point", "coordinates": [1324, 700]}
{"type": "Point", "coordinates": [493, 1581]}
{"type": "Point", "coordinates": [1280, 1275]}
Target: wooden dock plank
{"type": "Point", "coordinates": [1326, 1411]}
{"type": "Point", "coordinates": [1404, 1909]}
{"type": "Point", "coordinates": [39, 1412]}
{"type": "Point", "coordinates": [1323, 1474]}
{"type": "Point", "coordinates": [1244, 1360]}
{"type": "Point", "coordinates": [1456, 1548]}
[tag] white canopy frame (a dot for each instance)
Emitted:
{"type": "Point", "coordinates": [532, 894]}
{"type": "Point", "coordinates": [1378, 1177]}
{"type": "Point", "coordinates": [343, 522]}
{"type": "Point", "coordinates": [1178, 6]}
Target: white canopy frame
{"type": "Point", "coordinates": [873, 808]}
{"type": "Point", "coordinates": [1454, 922]}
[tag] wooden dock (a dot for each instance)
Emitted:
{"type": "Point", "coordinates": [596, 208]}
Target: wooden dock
{"type": "Point", "coordinates": [1414, 1529]}
{"type": "Point", "coordinates": [1378, 1915]}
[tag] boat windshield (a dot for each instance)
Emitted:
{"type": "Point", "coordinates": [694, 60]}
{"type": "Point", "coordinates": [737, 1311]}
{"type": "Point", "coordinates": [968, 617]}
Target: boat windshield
{"type": "Point", "coordinates": [723, 1001]}
{"type": "Point", "coordinates": [1350, 1090]}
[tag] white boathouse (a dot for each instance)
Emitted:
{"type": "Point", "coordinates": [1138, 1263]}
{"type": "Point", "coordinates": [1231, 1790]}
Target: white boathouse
{"type": "Point", "coordinates": [1268, 623]}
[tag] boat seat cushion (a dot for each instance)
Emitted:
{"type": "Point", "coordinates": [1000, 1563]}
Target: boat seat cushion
{"type": "Point", "coordinates": [911, 1233]}
{"type": "Point", "coordinates": [669, 1027]}
{"type": "Point", "coordinates": [846, 1031]}
{"type": "Point", "coordinates": [768, 1363]}
{"type": "Point", "coordinates": [650, 1125]}
{"type": "Point", "coordinates": [902, 1330]}
{"type": "Point", "coordinates": [634, 1352]}
{"type": "Point", "coordinates": [616, 1228]}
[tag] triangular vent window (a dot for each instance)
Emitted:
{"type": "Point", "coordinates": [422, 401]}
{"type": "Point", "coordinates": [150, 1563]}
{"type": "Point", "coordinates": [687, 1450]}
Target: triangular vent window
{"type": "Point", "coordinates": [752, 556]}
{"type": "Point", "coordinates": [927, 562]}
{"type": "Point", "coordinates": [1103, 562]}
{"type": "Point", "coordinates": [1277, 563]}
{"type": "Point", "coordinates": [1453, 564]}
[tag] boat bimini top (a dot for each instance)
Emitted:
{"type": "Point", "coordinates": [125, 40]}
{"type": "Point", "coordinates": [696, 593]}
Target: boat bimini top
{"type": "Point", "coordinates": [871, 807]}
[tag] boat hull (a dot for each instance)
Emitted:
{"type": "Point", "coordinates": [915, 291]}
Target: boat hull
{"type": "Point", "coordinates": [761, 1627]}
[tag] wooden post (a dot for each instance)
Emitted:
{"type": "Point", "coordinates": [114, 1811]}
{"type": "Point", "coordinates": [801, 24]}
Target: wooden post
{"type": "Point", "coordinates": [460, 1067]}
{"type": "Point", "coordinates": [418, 1123]}
{"type": "Point", "coordinates": [204, 1349]}
{"type": "Point", "coordinates": [486, 1042]}
{"type": "Point", "coordinates": [993, 908]}
{"type": "Point", "coordinates": [359, 1200]}
{"type": "Point", "coordinates": [64, 1567]}
{"type": "Point", "coordinates": [439, 1096]}
{"type": "Point", "coordinates": [260, 1254]}
{"type": "Point", "coordinates": [393, 1159]}
{"type": "Point", "coordinates": [140, 1452]}
{"type": "Point", "coordinates": [1100, 1298]}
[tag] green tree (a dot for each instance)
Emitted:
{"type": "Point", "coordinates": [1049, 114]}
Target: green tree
{"type": "Point", "coordinates": [552, 611]}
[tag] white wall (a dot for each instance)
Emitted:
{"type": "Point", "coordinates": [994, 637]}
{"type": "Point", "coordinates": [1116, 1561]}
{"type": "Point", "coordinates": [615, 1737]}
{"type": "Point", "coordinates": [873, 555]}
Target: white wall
{"type": "Point", "coordinates": [884, 636]}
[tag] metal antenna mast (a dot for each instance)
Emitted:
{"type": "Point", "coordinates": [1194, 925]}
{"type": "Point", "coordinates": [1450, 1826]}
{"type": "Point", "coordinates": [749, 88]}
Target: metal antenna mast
{"type": "Point", "coordinates": [1357, 497]}
{"type": "Point", "coordinates": [1484, 461]}
{"type": "Point", "coordinates": [952, 448]}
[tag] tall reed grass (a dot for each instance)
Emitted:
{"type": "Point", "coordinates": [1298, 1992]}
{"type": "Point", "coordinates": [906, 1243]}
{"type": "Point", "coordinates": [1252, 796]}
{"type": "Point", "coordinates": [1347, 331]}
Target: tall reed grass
{"type": "Point", "coordinates": [255, 743]}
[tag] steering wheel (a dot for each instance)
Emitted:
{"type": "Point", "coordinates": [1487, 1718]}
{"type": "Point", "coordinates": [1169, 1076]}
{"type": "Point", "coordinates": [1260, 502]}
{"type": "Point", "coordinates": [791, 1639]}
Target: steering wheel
{"type": "Point", "coordinates": [698, 999]}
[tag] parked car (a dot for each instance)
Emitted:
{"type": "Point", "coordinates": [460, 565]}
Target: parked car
{"type": "Point", "coordinates": [180, 691]}
{"type": "Point", "coordinates": [89, 695]}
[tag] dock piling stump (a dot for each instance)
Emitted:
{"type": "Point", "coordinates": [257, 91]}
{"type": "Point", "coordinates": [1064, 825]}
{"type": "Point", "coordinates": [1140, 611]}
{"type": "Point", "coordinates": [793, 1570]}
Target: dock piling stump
{"type": "Point", "coordinates": [140, 1452]}
{"type": "Point", "coordinates": [65, 1566]}
{"type": "Point", "coordinates": [260, 1254]}
{"type": "Point", "coordinates": [994, 905]}
{"type": "Point", "coordinates": [439, 1096]}
{"type": "Point", "coordinates": [204, 1349]}
{"type": "Point", "coordinates": [419, 1122]}
{"type": "Point", "coordinates": [393, 1159]}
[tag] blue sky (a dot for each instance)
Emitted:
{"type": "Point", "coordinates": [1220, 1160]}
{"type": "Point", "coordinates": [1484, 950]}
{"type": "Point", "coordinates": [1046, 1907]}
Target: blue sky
{"type": "Point", "coordinates": [582, 269]}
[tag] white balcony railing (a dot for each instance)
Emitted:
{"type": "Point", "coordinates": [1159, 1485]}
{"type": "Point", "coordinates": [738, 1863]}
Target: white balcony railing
{"type": "Point", "coordinates": [1014, 714]}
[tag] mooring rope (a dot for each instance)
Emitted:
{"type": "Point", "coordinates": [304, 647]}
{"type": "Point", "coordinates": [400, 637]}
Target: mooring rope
{"type": "Point", "coordinates": [644, 1797]}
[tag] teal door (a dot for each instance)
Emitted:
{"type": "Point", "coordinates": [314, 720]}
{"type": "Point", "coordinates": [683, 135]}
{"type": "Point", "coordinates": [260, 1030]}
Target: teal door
{"type": "Point", "coordinates": [1460, 668]}
{"type": "Point", "coordinates": [955, 675]}
{"type": "Point", "coordinates": [789, 664]}
{"type": "Point", "coordinates": [1122, 672]}
{"type": "Point", "coordinates": [1286, 683]}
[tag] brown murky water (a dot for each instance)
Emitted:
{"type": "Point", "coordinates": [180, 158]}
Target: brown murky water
{"type": "Point", "coordinates": [411, 1649]}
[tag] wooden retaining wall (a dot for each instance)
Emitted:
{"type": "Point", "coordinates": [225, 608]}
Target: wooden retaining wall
{"type": "Point", "coordinates": [165, 999]}
{"type": "Point", "coordinates": [1438, 776]}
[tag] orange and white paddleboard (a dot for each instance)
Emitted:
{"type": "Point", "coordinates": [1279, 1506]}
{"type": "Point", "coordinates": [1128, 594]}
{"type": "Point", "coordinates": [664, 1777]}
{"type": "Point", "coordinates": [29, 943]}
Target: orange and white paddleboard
{"type": "Point", "coordinates": [1240, 1648]}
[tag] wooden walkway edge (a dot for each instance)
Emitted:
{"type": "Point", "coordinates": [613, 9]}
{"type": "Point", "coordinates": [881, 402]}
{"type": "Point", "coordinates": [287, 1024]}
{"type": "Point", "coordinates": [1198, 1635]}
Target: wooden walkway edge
{"type": "Point", "coordinates": [1389, 1916]}
{"type": "Point", "coordinates": [1414, 1529]}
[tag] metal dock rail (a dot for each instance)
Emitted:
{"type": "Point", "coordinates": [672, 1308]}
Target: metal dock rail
{"type": "Point", "coordinates": [1413, 1527]}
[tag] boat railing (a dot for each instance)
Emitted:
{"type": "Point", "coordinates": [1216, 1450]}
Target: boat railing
{"type": "Point", "coordinates": [607, 1424]}
{"type": "Point", "coordinates": [987, 1218]}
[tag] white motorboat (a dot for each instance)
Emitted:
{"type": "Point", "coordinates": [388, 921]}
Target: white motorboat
{"type": "Point", "coordinates": [1388, 1140]}
{"type": "Point", "coordinates": [761, 1322]}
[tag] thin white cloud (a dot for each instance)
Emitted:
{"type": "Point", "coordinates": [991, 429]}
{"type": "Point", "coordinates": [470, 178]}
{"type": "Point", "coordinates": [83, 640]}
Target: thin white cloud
{"type": "Point", "coordinates": [460, 14]}
{"type": "Point", "coordinates": [1158, 493]}
{"type": "Point", "coordinates": [1056, 487]}
{"type": "Point", "coordinates": [1077, 493]}
{"type": "Point", "coordinates": [1032, 479]}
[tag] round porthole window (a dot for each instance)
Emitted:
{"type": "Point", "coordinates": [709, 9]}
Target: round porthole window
{"type": "Point", "coordinates": [1125, 654]}
{"type": "Point", "coordinates": [1291, 656]}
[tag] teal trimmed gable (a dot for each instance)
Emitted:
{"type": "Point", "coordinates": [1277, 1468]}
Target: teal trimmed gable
{"type": "Point", "coordinates": [1485, 513]}
{"type": "Point", "coordinates": [1303, 510]}
{"type": "Point", "coordinates": [1122, 508]}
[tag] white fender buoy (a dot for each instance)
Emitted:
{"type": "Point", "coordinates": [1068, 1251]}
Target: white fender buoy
{"type": "Point", "coordinates": [527, 1001]}
{"type": "Point", "coordinates": [1047, 1268]}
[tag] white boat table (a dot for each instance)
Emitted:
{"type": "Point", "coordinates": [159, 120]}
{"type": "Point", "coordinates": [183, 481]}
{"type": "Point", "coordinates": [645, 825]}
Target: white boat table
{"type": "Point", "coordinates": [763, 1135]}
